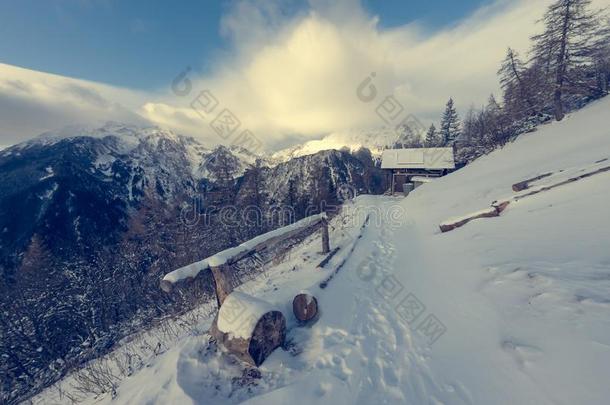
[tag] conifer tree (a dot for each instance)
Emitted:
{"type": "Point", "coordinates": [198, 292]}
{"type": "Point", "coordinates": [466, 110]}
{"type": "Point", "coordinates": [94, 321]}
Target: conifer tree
{"type": "Point", "coordinates": [450, 124]}
{"type": "Point", "coordinates": [432, 137]}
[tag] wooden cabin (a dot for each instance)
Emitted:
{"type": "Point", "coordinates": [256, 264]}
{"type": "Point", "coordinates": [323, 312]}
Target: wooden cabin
{"type": "Point", "coordinates": [404, 164]}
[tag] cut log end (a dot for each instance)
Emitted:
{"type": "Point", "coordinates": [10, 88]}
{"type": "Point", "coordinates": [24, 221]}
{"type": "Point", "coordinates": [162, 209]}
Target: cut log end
{"type": "Point", "coordinates": [268, 335]}
{"type": "Point", "coordinates": [525, 184]}
{"type": "Point", "coordinates": [500, 206]}
{"type": "Point", "coordinates": [166, 286]}
{"type": "Point", "coordinates": [305, 307]}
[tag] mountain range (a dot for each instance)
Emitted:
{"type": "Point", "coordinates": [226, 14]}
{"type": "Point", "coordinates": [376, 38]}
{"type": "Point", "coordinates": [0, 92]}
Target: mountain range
{"type": "Point", "coordinates": [90, 219]}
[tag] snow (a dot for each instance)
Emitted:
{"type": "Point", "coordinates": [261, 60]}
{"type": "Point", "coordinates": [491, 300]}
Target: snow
{"type": "Point", "coordinates": [506, 311]}
{"type": "Point", "coordinates": [374, 139]}
{"type": "Point", "coordinates": [129, 135]}
{"type": "Point", "coordinates": [188, 271]}
{"type": "Point", "coordinates": [421, 179]}
{"type": "Point", "coordinates": [49, 173]}
{"type": "Point", "coordinates": [222, 257]}
{"type": "Point", "coordinates": [48, 194]}
{"type": "Point", "coordinates": [249, 309]}
{"type": "Point", "coordinates": [418, 158]}
{"type": "Point", "coordinates": [104, 163]}
{"type": "Point", "coordinates": [454, 220]}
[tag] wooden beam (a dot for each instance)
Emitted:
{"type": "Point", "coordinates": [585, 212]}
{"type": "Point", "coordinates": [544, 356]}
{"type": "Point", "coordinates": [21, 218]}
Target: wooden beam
{"type": "Point", "coordinates": [525, 184]}
{"type": "Point", "coordinates": [225, 276]}
{"type": "Point", "coordinates": [563, 183]}
{"type": "Point", "coordinates": [325, 237]}
{"type": "Point", "coordinates": [225, 280]}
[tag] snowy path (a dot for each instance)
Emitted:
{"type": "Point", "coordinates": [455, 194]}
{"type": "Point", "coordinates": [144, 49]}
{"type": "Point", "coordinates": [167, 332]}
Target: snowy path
{"type": "Point", "coordinates": [365, 349]}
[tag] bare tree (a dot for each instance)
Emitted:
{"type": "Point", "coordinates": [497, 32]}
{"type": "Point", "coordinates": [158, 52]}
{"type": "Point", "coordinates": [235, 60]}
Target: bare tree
{"type": "Point", "coordinates": [567, 42]}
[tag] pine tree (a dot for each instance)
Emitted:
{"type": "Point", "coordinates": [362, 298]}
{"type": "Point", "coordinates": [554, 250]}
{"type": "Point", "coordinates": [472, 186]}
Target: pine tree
{"type": "Point", "coordinates": [450, 124]}
{"type": "Point", "coordinates": [432, 137]}
{"type": "Point", "coordinates": [567, 42]}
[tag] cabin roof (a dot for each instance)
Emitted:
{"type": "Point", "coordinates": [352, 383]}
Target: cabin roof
{"type": "Point", "coordinates": [418, 158]}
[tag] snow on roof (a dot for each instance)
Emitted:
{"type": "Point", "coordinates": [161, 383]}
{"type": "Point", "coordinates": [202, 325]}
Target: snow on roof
{"type": "Point", "coordinates": [240, 313]}
{"type": "Point", "coordinates": [421, 179]}
{"type": "Point", "coordinates": [418, 158]}
{"type": "Point", "coordinates": [221, 258]}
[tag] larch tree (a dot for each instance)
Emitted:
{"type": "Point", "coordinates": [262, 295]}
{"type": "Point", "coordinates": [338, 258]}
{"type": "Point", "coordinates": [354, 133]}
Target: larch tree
{"type": "Point", "coordinates": [517, 90]}
{"type": "Point", "coordinates": [568, 41]}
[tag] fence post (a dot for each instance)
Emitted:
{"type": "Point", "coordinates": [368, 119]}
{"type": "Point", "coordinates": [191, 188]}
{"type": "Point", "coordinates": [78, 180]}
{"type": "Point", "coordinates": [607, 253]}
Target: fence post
{"type": "Point", "coordinates": [223, 276]}
{"type": "Point", "coordinates": [325, 237]}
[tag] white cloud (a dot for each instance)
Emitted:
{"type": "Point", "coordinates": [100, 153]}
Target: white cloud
{"type": "Point", "coordinates": [300, 76]}
{"type": "Point", "coordinates": [295, 76]}
{"type": "Point", "coordinates": [34, 102]}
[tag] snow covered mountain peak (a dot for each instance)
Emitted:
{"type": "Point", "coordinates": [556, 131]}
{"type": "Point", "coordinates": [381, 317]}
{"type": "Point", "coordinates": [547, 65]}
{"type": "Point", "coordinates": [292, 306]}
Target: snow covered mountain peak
{"type": "Point", "coordinates": [128, 134]}
{"type": "Point", "coordinates": [376, 140]}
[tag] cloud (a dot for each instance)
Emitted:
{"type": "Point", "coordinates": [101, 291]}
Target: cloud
{"type": "Point", "coordinates": [299, 74]}
{"type": "Point", "coordinates": [34, 102]}
{"type": "Point", "coordinates": [291, 75]}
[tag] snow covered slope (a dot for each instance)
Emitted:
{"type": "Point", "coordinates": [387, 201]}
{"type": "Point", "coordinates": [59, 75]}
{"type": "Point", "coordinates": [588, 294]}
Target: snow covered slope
{"type": "Point", "coordinates": [506, 310]}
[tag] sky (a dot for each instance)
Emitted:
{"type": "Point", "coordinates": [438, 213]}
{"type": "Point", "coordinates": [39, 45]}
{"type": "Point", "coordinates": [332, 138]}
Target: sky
{"type": "Point", "coordinates": [284, 70]}
{"type": "Point", "coordinates": [139, 44]}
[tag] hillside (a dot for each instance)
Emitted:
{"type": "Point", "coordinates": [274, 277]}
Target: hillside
{"type": "Point", "coordinates": [512, 309]}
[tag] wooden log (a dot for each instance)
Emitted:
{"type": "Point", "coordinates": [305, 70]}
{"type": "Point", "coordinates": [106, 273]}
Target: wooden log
{"type": "Point", "coordinates": [524, 185]}
{"type": "Point", "coordinates": [563, 183]}
{"type": "Point", "coordinates": [271, 242]}
{"type": "Point", "coordinates": [497, 207]}
{"type": "Point", "coordinates": [327, 259]}
{"type": "Point", "coordinates": [249, 328]}
{"type": "Point", "coordinates": [225, 280]}
{"type": "Point", "coordinates": [450, 225]}
{"type": "Point", "coordinates": [336, 270]}
{"type": "Point", "coordinates": [167, 286]}
{"type": "Point", "coordinates": [305, 307]}
{"type": "Point", "coordinates": [325, 237]}
{"type": "Point", "coordinates": [225, 277]}
{"type": "Point", "coordinates": [500, 206]}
